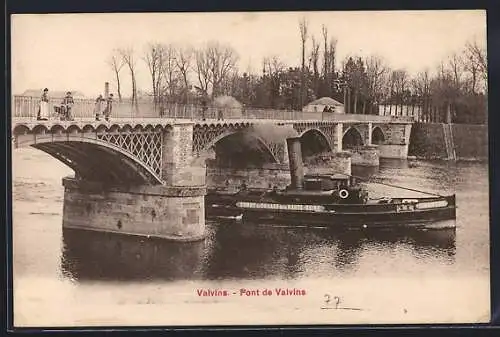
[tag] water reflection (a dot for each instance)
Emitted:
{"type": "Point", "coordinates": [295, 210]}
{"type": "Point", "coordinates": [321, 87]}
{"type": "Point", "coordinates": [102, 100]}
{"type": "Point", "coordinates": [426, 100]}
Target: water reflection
{"type": "Point", "coordinates": [91, 255]}
{"type": "Point", "coordinates": [385, 164]}
{"type": "Point", "coordinates": [241, 251]}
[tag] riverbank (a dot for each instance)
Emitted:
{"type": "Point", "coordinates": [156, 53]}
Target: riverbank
{"type": "Point", "coordinates": [463, 142]}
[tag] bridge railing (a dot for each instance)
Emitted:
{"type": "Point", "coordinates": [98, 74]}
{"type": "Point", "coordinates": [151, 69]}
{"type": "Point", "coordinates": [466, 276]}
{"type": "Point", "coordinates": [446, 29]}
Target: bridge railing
{"type": "Point", "coordinates": [26, 107]}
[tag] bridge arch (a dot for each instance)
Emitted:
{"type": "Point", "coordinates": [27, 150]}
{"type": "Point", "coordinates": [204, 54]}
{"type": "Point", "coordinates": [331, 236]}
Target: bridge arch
{"type": "Point", "coordinates": [92, 159]}
{"type": "Point", "coordinates": [239, 148]}
{"type": "Point", "coordinates": [314, 141]}
{"type": "Point", "coordinates": [352, 138]}
{"type": "Point", "coordinates": [378, 136]}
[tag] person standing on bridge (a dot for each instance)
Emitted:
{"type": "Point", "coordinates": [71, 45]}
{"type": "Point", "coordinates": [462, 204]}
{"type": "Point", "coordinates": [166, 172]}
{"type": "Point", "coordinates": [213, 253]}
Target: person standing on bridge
{"type": "Point", "coordinates": [98, 107]}
{"type": "Point", "coordinates": [43, 108]}
{"type": "Point", "coordinates": [109, 107]}
{"type": "Point", "coordinates": [68, 105]}
{"type": "Point", "coordinates": [203, 108]}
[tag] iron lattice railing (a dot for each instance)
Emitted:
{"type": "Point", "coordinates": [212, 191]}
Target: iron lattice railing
{"type": "Point", "coordinates": [84, 108]}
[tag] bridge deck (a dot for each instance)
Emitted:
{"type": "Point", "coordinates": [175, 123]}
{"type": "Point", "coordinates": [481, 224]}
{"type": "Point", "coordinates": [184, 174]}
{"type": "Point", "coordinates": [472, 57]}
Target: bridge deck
{"type": "Point", "coordinates": [177, 121]}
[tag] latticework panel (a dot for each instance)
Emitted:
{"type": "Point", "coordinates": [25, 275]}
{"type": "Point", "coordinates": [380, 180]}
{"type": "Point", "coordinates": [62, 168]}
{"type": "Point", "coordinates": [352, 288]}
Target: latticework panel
{"type": "Point", "coordinates": [329, 131]}
{"type": "Point", "coordinates": [204, 136]}
{"type": "Point", "coordinates": [145, 146]}
{"type": "Point", "coordinates": [278, 150]}
{"type": "Point", "coordinates": [301, 127]}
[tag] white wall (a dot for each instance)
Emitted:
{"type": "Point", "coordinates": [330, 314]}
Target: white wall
{"type": "Point", "coordinates": [406, 111]}
{"type": "Point", "coordinates": [339, 109]}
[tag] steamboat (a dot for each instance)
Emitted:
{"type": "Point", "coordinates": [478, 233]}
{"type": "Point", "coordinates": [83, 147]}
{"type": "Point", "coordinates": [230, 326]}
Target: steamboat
{"type": "Point", "coordinates": [331, 200]}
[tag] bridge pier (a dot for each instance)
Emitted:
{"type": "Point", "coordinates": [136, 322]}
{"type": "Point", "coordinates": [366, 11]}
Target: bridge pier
{"type": "Point", "coordinates": [273, 174]}
{"type": "Point", "coordinates": [176, 213]}
{"type": "Point", "coordinates": [396, 141]}
{"type": "Point", "coordinates": [329, 163]}
{"type": "Point", "coordinates": [268, 175]}
{"type": "Point", "coordinates": [365, 155]}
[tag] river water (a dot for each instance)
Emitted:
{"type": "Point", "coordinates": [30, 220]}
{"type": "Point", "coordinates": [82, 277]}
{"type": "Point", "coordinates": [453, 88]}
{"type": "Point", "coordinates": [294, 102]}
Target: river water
{"type": "Point", "coordinates": [76, 278]}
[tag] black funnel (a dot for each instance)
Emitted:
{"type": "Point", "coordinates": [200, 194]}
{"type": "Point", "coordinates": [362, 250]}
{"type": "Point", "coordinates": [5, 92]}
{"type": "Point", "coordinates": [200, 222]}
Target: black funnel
{"type": "Point", "coordinates": [295, 163]}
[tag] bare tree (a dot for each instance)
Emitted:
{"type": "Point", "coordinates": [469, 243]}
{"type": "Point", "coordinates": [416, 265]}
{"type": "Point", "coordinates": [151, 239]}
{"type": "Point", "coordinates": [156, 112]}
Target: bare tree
{"type": "Point", "coordinates": [183, 63]}
{"type": "Point", "coordinates": [472, 68]}
{"type": "Point", "coordinates": [315, 57]}
{"type": "Point", "coordinates": [127, 55]}
{"type": "Point", "coordinates": [479, 54]}
{"type": "Point", "coordinates": [170, 71]}
{"type": "Point", "coordinates": [421, 86]}
{"type": "Point", "coordinates": [303, 28]}
{"type": "Point", "coordinates": [375, 71]}
{"type": "Point", "coordinates": [455, 63]}
{"type": "Point", "coordinates": [154, 60]}
{"type": "Point", "coordinates": [202, 69]}
{"type": "Point", "coordinates": [400, 82]}
{"type": "Point", "coordinates": [326, 64]}
{"type": "Point", "coordinates": [222, 60]}
{"type": "Point", "coordinates": [332, 55]}
{"type": "Point", "coordinates": [273, 65]}
{"type": "Point", "coordinates": [476, 62]}
{"type": "Point", "coordinates": [116, 63]}
{"type": "Point", "coordinates": [329, 59]}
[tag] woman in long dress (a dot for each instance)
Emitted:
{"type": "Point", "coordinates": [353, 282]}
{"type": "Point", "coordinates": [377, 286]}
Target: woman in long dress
{"type": "Point", "coordinates": [44, 111]}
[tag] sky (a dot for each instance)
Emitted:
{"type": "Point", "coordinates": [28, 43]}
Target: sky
{"type": "Point", "coordinates": [70, 51]}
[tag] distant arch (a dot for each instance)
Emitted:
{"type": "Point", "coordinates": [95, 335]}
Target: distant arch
{"type": "Point", "coordinates": [378, 136]}
{"type": "Point", "coordinates": [352, 138]}
{"type": "Point", "coordinates": [237, 148]}
{"type": "Point", "coordinates": [314, 141]}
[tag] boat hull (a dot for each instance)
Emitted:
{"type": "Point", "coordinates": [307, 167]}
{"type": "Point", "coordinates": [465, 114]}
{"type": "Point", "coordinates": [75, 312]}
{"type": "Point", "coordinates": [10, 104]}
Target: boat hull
{"type": "Point", "coordinates": [337, 215]}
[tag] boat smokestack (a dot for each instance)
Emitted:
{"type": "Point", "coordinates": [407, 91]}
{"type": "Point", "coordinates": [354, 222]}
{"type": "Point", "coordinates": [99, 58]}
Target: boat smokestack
{"type": "Point", "coordinates": [295, 162]}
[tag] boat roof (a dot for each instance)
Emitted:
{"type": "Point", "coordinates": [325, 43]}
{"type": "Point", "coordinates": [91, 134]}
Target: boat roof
{"type": "Point", "coordinates": [336, 176]}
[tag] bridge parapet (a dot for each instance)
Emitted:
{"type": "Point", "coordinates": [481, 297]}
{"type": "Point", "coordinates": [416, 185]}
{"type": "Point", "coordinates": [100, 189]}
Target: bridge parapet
{"type": "Point", "coordinates": [84, 108]}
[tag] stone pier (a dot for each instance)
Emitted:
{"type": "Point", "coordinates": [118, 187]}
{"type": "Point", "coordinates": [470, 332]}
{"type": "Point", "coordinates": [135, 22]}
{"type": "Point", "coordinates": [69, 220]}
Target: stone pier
{"type": "Point", "coordinates": [365, 155]}
{"type": "Point", "coordinates": [396, 141]}
{"type": "Point", "coordinates": [175, 213]}
{"type": "Point", "coordinates": [272, 174]}
{"type": "Point", "coordinates": [329, 163]}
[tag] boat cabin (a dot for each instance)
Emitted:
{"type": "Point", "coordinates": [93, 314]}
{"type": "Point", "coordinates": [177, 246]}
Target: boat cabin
{"type": "Point", "coordinates": [329, 188]}
{"type": "Point", "coordinates": [327, 182]}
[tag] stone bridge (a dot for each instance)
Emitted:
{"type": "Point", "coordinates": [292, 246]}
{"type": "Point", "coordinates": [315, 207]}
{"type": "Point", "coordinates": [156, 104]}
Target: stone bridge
{"type": "Point", "coordinates": [148, 176]}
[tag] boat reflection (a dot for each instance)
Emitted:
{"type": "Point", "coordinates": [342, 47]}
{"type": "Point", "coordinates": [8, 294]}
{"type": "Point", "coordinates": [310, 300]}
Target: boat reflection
{"type": "Point", "coordinates": [261, 251]}
{"type": "Point", "coordinates": [240, 251]}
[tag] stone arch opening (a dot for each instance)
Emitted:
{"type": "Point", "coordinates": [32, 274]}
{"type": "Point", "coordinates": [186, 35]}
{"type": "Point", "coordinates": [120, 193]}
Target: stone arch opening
{"type": "Point", "coordinates": [242, 150]}
{"type": "Point", "coordinates": [314, 142]}
{"type": "Point", "coordinates": [351, 139]}
{"type": "Point", "coordinates": [378, 136]}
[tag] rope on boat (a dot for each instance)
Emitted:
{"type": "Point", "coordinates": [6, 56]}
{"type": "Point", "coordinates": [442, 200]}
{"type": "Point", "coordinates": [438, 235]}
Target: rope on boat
{"type": "Point", "coordinates": [391, 185]}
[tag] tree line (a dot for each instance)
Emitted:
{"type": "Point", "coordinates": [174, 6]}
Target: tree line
{"type": "Point", "coordinates": [365, 85]}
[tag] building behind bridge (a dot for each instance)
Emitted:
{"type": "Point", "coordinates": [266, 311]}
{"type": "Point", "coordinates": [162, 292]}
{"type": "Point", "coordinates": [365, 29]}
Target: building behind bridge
{"type": "Point", "coordinates": [320, 104]}
{"type": "Point", "coordinates": [414, 111]}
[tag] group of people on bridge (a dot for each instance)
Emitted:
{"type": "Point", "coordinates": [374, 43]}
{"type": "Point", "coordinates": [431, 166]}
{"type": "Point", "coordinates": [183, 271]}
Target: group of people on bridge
{"type": "Point", "coordinates": [63, 110]}
{"type": "Point", "coordinates": [103, 107]}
